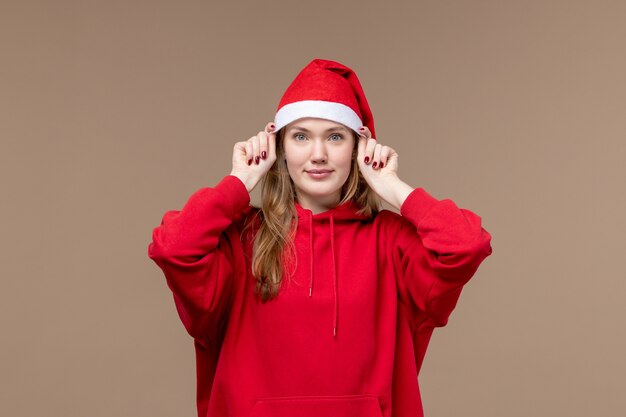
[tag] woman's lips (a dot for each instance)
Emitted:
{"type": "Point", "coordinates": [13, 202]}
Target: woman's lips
{"type": "Point", "coordinates": [319, 174]}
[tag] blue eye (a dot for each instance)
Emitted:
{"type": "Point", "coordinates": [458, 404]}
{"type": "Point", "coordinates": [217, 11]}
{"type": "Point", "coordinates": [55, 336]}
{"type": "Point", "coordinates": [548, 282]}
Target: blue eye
{"type": "Point", "coordinates": [297, 135]}
{"type": "Point", "coordinates": [339, 137]}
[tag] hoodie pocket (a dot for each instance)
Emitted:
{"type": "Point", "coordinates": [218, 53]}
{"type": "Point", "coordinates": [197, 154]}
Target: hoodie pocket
{"type": "Point", "coordinates": [326, 406]}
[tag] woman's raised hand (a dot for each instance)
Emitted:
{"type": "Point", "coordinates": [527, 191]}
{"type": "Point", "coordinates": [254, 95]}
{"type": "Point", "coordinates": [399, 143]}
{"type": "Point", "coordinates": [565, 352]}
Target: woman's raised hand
{"type": "Point", "coordinates": [254, 157]}
{"type": "Point", "coordinates": [379, 165]}
{"type": "Point", "coordinates": [376, 161]}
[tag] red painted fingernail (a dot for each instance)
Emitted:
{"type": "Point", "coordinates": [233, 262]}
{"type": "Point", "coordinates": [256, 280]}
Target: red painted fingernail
{"type": "Point", "coordinates": [264, 155]}
{"type": "Point", "coordinates": [374, 165]}
{"type": "Point", "coordinates": [367, 159]}
{"type": "Point", "coordinates": [256, 160]}
{"type": "Point", "coordinates": [381, 165]}
{"type": "Point", "coordinates": [249, 161]}
{"type": "Point", "coordinates": [272, 125]}
{"type": "Point", "coordinates": [362, 129]}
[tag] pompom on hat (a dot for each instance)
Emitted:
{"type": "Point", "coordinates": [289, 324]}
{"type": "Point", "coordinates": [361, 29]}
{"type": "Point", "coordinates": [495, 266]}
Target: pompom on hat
{"type": "Point", "coordinates": [327, 90]}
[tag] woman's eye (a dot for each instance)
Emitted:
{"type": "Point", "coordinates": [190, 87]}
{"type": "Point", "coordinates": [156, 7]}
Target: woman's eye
{"type": "Point", "coordinates": [299, 137]}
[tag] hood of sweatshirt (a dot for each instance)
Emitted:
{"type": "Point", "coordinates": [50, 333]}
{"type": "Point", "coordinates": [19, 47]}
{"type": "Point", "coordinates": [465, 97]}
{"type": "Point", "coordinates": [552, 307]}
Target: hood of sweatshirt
{"type": "Point", "coordinates": [346, 212]}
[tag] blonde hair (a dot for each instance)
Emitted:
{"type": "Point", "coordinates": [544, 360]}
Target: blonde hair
{"type": "Point", "coordinates": [273, 247]}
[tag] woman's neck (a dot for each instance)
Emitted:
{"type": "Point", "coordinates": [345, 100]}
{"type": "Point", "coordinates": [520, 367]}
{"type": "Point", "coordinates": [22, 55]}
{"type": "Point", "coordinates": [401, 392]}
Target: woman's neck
{"type": "Point", "coordinates": [318, 204]}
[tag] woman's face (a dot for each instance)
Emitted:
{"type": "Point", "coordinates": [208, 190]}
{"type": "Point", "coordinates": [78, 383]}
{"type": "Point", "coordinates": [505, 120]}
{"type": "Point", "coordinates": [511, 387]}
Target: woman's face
{"type": "Point", "coordinates": [318, 153]}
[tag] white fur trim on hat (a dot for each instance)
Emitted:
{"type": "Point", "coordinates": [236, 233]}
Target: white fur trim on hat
{"type": "Point", "coordinates": [336, 112]}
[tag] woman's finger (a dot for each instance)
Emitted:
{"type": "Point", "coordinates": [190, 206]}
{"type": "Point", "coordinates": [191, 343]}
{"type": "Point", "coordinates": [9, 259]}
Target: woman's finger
{"type": "Point", "coordinates": [256, 146]}
{"type": "Point", "coordinates": [369, 151]}
{"type": "Point", "coordinates": [263, 145]}
{"type": "Point", "coordinates": [271, 140]}
{"type": "Point", "coordinates": [376, 158]}
{"type": "Point", "coordinates": [249, 151]}
{"type": "Point", "coordinates": [384, 154]}
{"type": "Point", "coordinates": [272, 146]}
{"type": "Point", "coordinates": [361, 148]}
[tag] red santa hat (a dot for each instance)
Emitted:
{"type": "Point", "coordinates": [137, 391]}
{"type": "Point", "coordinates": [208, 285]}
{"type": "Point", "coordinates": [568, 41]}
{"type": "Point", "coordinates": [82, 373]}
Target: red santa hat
{"type": "Point", "coordinates": [328, 90]}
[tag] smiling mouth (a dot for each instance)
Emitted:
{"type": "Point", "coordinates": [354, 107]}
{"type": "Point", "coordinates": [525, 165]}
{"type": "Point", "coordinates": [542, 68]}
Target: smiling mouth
{"type": "Point", "coordinates": [319, 174]}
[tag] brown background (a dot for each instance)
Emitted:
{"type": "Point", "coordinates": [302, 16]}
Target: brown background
{"type": "Point", "coordinates": [113, 112]}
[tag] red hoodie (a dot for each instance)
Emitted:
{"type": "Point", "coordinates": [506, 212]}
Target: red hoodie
{"type": "Point", "coordinates": [347, 334]}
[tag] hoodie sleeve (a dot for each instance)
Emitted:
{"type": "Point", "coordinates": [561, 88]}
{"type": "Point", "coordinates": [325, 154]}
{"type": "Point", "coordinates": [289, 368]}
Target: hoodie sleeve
{"type": "Point", "coordinates": [193, 248]}
{"type": "Point", "coordinates": [437, 250]}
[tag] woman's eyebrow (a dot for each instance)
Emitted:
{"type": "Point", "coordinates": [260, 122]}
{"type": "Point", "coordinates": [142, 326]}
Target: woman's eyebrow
{"type": "Point", "coordinates": [307, 130]}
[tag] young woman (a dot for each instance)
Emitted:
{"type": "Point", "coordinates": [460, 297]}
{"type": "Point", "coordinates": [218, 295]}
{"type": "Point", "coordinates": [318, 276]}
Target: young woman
{"type": "Point", "coordinates": [318, 303]}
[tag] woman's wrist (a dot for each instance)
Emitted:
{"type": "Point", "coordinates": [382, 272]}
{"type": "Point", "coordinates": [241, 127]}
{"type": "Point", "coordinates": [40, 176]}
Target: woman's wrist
{"type": "Point", "coordinates": [245, 180]}
{"type": "Point", "coordinates": [394, 191]}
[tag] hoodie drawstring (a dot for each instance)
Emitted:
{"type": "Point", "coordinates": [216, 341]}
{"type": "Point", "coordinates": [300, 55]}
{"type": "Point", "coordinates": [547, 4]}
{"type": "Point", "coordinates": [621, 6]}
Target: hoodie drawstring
{"type": "Point", "coordinates": [311, 247]}
{"type": "Point", "coordinates": [332, 248]}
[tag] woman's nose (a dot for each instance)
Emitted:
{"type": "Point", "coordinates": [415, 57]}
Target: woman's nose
{"type": "Point", "coordinates": [318, 153]}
